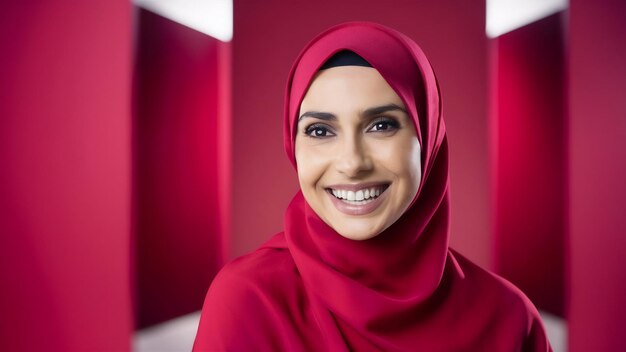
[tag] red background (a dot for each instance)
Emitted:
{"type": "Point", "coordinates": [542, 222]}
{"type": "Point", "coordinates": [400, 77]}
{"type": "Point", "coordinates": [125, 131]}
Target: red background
{"type": "Point", "coordinates": [89, 220]}
{"type": "Point", "coordinates": [176, 175]}
{"type": "Point", "coordinates": [529, 160]}
{"type": "Point", "coordinates": [597, 172]}
{"type": "Point", "coordinates": [65, 167]}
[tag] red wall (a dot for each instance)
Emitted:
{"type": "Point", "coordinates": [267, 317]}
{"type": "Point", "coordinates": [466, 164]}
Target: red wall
{"type": "Point", "coordinates": [65, 176]}
{"type": "Point", "coordinates": [268, 36]}
{"type": "Point", "coordinates": [177, 181]}
{"type": "Point", "coordinates": [597, 143]}
{"type": "Point", "coordinates": [529, 160]}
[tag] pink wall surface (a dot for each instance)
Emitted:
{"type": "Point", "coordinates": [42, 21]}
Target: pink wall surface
{"type": "Point", "coordinates": [268, 36]}
{"type": "Point", "coordinates": [178, 183]}
{"type": "Point", "coordinates": [529, 160]}
{"type": "Point", "coordinates": [65, 176]}
{"type": "Point", "coordinates": [597, 200]}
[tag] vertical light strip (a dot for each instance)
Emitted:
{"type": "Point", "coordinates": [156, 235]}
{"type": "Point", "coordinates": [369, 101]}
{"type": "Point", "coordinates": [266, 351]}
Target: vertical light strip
{"type": "Point", "coordinates": [506, 15]}
{"type": "Point", "coordinates": [211, 17]}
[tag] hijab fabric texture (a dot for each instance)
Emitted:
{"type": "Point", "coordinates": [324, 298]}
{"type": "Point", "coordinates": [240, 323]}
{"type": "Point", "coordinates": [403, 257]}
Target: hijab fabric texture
{"type": "Point", "coordinates": [310, 289]}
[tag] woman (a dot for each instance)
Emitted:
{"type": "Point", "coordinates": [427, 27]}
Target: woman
{"type": "Point", "coordinates": [363, 263]}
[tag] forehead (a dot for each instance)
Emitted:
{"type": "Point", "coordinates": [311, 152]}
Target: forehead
{"type": "Point", "coordinates": [349, 85]}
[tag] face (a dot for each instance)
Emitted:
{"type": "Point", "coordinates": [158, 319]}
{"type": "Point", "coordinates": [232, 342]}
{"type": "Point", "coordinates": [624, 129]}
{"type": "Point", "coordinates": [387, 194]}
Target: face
{"type": "Point", "coordinates": [357, 153]}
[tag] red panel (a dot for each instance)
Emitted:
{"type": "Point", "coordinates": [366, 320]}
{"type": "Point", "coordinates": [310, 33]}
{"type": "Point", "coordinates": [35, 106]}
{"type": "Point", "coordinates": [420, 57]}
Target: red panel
{"type": "Point", "coordinates": [177, 181]}
{"type": "Point", "coordinates": [597, 75]}
{"type": "Point", "coordinates": [65, 176]}
{"type": "Point", "coordinates": [530, 161]}
{"type": "Point", "coordinates": [269, 35]}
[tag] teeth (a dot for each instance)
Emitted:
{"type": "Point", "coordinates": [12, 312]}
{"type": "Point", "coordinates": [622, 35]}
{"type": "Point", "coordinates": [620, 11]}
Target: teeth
{"type": "Point", "coordinates": [358, 196]}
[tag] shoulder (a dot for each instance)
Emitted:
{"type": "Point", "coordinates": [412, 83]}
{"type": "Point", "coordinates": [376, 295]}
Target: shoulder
{"type": "Point", "coordinates": [503, 302]}
{"type": "Point", "coordinates": [492, 285]}
{"type": "Point", "coordinates": [259, 272]}
{"type": "Point", "coordinates": [244, 299]}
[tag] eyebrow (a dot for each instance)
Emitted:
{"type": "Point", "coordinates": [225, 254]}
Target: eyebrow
{"type": "Point", "coordinates": [327, 116]}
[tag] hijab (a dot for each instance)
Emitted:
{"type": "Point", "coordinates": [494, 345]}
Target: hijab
{"type": "Point", "coordinates": [404, 289]}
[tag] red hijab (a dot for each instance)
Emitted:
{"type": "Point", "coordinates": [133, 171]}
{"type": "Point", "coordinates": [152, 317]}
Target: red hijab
{"type": "Point", "coordinates": [309, 288]}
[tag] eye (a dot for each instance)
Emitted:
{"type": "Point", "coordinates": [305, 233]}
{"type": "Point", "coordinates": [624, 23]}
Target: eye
{"type": "Point", "coordinates": [318, 131]}
{"type": "Point", "coordinates": [384, 124]}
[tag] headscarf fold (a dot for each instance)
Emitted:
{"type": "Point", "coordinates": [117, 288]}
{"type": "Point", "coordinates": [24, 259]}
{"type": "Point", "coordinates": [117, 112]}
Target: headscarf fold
{"type": "Point", "coordinates": [366, 285]}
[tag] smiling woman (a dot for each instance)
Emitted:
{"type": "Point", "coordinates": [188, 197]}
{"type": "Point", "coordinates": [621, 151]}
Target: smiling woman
{"type": "Point", "coordinates": [363, 263]}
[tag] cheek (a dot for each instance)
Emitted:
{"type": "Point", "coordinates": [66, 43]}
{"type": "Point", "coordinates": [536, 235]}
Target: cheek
{"type": "Point", "coordinates": [402, 158]}
{"type": "Point", "coordinates": [414, 161]}
{"type": "Point", "coordinates": [310, 166]}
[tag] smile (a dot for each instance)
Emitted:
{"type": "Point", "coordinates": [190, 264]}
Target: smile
{"type": "Point", "coordinates": [362, 195]}
{"type": "Point", "coordinates": [357, 199]}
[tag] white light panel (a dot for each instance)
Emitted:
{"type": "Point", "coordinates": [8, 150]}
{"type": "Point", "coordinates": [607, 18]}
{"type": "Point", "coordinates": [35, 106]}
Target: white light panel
{"type": "Point", "coordinates": [211, 17]}
{"type": "Point", "coordinates": [506, 15]}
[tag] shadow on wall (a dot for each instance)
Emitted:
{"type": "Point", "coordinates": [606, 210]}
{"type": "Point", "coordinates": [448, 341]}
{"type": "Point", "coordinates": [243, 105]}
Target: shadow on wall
{"type": "Point", "coordinates": [177, 197]}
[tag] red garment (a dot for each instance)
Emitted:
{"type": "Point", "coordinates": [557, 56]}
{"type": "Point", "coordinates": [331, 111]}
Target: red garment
{"type": "Point", "coordinates": [310, 289]}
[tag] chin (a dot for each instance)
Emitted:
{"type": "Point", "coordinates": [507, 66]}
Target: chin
{"type": "Point", "coordinates": [356, 232]}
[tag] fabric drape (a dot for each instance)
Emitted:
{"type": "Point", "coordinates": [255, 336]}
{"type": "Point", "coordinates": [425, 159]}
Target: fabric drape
{"type": "Point", "coordinates": [309, 288]}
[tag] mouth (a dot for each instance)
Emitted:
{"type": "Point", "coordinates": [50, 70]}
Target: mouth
{"type": "Point", "coordinates": [357, 194]}
{"type": "Point", "coordinates": [358, 199]}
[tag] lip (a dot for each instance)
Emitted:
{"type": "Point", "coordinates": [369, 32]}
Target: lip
{"type": "Point", "coordinates": [354, 209]}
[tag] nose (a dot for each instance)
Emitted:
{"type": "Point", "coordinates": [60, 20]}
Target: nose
{"type": "Point", "coordinates": [353, 157]}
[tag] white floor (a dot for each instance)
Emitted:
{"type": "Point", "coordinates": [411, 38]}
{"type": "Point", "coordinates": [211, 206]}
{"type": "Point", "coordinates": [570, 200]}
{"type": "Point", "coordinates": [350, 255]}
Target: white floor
{"type": "Point", "coordinates": [177, 335]}
{"type": "Point", "coordinates": [556, 327]}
